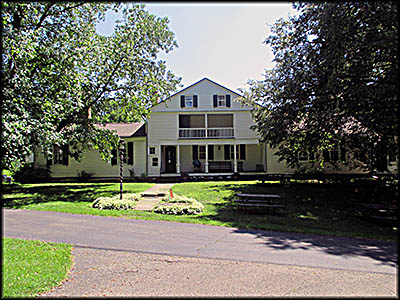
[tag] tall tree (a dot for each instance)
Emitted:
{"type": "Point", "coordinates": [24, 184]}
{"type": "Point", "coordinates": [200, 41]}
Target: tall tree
{"type": "Point", "coordinates": [334, 82]}
{"type": "Point", "coordinates": [56, 68]}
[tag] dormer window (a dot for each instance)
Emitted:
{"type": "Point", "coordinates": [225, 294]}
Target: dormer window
{"type": "Point", "coordinates": [222, 100]}
{"type": "Point", "coordinates": [189, 101]}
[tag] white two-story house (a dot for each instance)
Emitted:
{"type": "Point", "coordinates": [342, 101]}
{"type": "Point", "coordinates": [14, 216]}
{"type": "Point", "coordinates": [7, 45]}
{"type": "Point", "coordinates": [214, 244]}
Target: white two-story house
{"type": "Point", "coordinates": [203, 122]}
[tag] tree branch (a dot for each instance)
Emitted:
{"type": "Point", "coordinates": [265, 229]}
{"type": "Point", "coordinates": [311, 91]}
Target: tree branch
{"type": "Point", "coordinates": [68, 120]}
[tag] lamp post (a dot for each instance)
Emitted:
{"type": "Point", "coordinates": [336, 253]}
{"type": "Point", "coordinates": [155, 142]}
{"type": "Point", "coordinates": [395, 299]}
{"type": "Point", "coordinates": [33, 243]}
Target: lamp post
{"type": "Point", "coordinates": [121, 165]}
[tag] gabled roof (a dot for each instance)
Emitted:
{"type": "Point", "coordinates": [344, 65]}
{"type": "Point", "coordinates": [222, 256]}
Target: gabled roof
{"type": "Point", "coordinates": [125, 129]}
{"type": "Point", "coordinates": [205, 78]}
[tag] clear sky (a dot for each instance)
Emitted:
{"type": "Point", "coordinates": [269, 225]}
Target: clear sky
{"type": "Point", "coordinates": [222, 41]}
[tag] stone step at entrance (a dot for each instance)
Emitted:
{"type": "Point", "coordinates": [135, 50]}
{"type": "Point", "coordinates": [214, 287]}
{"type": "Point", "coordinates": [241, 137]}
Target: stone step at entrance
{"type": "Point", "coordinates": [152, 194]}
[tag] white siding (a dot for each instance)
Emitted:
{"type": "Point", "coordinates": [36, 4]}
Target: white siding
{"type": "Point", "coordinates": [242, 122]}
{"type": "Point", "coordinates": [162, 126]}
{"type": "Point", "coordinates": [91, 162]}
{"type": "Point", "coordinates": [204, 89]}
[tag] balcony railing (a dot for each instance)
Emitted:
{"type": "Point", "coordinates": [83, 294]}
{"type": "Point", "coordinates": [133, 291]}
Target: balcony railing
{"type": "Point", "coordinates": [203, 133]}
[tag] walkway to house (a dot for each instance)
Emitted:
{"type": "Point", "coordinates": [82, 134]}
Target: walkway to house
{"type": "Point", "coordinates": [153, 196]}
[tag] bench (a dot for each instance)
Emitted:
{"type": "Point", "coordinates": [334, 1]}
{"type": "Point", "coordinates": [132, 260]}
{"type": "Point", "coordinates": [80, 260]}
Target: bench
{"type": "Point", "coordinates": [218, 166]}
{"type": "Point", "coordinates": [258, 201]}
{"type": "Point", "coordinates": [378, 211]}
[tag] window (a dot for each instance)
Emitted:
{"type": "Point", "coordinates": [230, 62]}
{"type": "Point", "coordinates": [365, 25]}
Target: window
{"type": "Point", "coordinates": [188, 101]}
{"type": "Point", "coordinates": [192, 121]}
{"type": "Point", "coordinates": [220, 121]}
{"type": "Point", "coordinates": [60, 155]}
{"type": "Point", "coordinates": [202, 152]}
{"type": "Point", "coordinates": [237, 152]}
{"type": "Point", "coordinates": [152, 150]}
{"type": "Point", "coordinates": [154, 161]}
{"type": "Point", "coordinates": [130, 153]}
{"type": "Point", "coordinates": [221, 100]}
{"type": "Point", "coordinates": [240, 152]}
{"type": "Point", "coordinates": [333, 154]}
{"type": "Point", "coordinates": [114, 157]}
{"type": "Point", "coordinates": [306, 156]}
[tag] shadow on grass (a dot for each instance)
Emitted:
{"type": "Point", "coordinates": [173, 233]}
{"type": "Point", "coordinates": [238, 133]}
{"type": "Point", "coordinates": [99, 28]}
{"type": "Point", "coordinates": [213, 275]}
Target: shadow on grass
{"type": "Point", "coordinates": [327, 213]}
{"type": "Point", "coordinates": [16, 196]}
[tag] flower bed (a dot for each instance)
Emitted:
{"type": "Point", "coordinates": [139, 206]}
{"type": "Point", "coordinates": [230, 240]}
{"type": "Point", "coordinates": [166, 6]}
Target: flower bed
{"type": "Point", "coordinates": [179, 205]}
{"type": "Point", "coordinates": [128, 202]}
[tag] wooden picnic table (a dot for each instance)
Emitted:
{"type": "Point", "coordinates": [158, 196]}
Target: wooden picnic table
{"type": "Point", "coordinates": [380, 211]}
{"type": "Point", "coordinates": [268, 201]}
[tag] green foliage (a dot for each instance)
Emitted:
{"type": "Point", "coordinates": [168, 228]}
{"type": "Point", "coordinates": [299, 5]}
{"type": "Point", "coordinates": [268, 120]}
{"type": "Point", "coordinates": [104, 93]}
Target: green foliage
{"type": "Point", "coordinates": [55, 68]}
{"type": "Point", "coordinates": [128, 202]}
{"type": "Point", "coordinates": [335, 81]}
{"type": "Point", "coordinates": [33, 267]}
{"type": "Point", "coordinates": [84, 176]}
{"type": "Point", "coordinates": [333, 205]}
{"type": "Point", "coordinates": [179, 205]}
{"type": "Point", "coordinates": [28, 174]}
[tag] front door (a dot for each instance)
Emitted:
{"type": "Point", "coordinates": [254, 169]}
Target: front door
{"type": "Point", "coordinates": [170, 159]}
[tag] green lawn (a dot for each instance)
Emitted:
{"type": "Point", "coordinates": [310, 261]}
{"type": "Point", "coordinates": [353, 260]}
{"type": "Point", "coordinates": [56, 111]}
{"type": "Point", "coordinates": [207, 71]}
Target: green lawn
{"type": "Point", "coordinates": [32, 267]}
{"type": "Point", "coordinates": [309, 208]}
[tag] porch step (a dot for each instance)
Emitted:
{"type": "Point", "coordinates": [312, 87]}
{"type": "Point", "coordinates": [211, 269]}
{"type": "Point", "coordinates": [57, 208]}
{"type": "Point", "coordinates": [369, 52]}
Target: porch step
{"type": "Point", "coordinates": [152, 194]}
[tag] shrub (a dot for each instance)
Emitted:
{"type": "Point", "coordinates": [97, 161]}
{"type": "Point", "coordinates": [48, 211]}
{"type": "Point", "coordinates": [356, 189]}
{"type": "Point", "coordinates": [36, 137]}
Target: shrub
{"type": "Point", "coordinates": [29, 174]}
{"type": "Point", "coordinates": [84, 176]}
{"type": "Point", "coordinates": [128, 202]}
{"type": "Point", "coordinates": [179, 205]}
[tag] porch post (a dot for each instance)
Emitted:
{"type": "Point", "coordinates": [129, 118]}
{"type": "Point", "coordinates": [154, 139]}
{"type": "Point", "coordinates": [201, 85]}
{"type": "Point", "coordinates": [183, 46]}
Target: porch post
{"type": "Point", "coordinates": [206, 164]}
{"type": "Point", "coordinates": [234, 159]}
{"type": "Point", "coordinates": [178, 159]}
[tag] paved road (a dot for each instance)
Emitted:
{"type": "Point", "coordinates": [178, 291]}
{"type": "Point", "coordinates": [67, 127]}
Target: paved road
{"type": "Point", "coordinates": [202, 241]}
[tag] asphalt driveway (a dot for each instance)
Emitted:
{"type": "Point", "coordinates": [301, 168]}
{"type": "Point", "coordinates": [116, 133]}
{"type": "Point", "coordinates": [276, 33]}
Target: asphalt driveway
{"type": "Point", "coordinates": [246, 253]}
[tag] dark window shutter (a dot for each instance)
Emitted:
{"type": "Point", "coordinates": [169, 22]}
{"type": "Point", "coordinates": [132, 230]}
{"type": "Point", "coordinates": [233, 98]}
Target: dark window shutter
{"type": "Point", "coordinates": [210, 152]}
{"type": "Point", "coordinates": [65, 157]}
{"type": "Point", "coordinates": [114, 158]}
{"type": "Point", "coordinates": [182, 101]}
{"type": "Point", "coordinates": [343, 153]}
{"type": "Point", "coordinates": [227, 152]}
{"type": "Point", "coordinates": [242, 151]}
{"type": "Point", "coordinates": [326, 155]}
{"type": "Point", "coordinates": [195, 103]}
{"type": "Point", "coordinates": [215, 97]}
{"type": "Point", "coordinates": [130, 153]}
{"type": "Point", "coordinates": [311, 155]}
{"type": "Point", "coordinates": [228, 100]}
{"type": "Point", "coordinates": [195, 152]}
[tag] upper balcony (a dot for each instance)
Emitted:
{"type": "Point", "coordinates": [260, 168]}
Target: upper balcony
{"type": "Point", "coordinates": [206, 133]}
{"type": "Point", "coordinates": [210, 126]}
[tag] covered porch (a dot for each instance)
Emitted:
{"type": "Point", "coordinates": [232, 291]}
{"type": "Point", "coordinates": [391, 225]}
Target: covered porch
{"type": "Point", "coordinates": [215, 158]}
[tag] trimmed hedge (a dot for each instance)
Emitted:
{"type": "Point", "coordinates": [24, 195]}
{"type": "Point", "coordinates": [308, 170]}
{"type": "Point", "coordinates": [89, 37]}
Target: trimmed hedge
{"type": "Point", "coordinates": [128, 202]}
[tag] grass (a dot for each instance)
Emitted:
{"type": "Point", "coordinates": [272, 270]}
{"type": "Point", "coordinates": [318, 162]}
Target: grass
{"type": "Point", "coordinates": [324, 209]}
{"type": "Point", "coordinates": [73, 198]}
{"type": "Point", "coordinates": [33, 267]}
